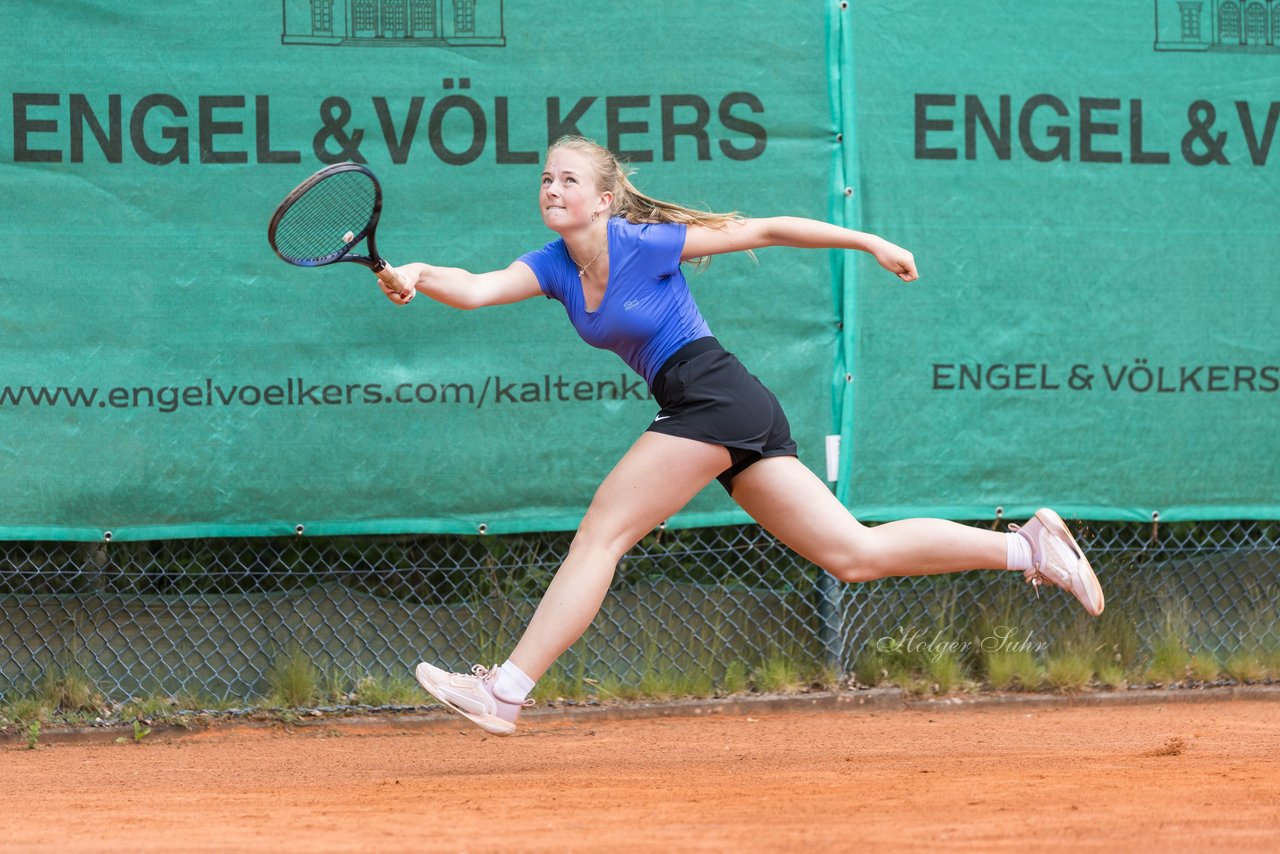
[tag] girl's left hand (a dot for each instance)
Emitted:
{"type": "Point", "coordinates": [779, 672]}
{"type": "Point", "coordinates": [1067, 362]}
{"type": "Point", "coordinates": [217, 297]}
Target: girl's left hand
{"type": "Point", "coordinates": [896, 260]}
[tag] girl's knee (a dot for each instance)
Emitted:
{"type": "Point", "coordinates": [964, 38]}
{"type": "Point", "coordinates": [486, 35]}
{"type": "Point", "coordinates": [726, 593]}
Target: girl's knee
{"type": "Point", "coordinates": [605, 540]}
{"type": "Point", "coordinates": [854, 561]}
{"type": "Point", "coordinates": [850, 570]}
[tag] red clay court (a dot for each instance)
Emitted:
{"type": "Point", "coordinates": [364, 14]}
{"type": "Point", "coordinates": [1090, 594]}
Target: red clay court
{"type": "Point", "coordinates": [1153, 776]}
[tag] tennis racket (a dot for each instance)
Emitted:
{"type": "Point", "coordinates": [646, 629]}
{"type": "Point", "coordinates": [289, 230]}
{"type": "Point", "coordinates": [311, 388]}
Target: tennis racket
{"type": "Point", "coordinates": [323, 219]}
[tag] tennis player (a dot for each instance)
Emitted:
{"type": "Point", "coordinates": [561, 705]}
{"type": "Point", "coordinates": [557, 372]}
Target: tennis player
{"type": "Point", "coordinates": [616, 268]}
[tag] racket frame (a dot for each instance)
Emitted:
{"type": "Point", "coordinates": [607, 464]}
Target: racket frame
{"type": "Point", "coordinates": [373, 260]}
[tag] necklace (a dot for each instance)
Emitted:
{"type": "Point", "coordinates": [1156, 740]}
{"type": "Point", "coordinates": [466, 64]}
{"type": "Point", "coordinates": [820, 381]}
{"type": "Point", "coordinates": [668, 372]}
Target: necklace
{"type": "Point", "coordinates": [582, 268]}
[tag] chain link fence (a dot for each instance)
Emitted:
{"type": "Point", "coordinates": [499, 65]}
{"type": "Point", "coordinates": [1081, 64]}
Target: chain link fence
{"type": "Point", "coordinates": [209, 617]}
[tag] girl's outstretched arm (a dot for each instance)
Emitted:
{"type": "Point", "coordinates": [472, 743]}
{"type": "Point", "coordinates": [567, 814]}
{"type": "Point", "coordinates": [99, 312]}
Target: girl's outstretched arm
{"type": "Point", "coordinates": [741, 235]}
{"type": "Point", "coordinates": [462, 289]}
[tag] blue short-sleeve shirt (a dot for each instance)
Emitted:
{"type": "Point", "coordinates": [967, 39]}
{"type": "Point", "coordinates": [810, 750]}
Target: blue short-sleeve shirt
{"type": "Point", "coordinates": [647, 312]}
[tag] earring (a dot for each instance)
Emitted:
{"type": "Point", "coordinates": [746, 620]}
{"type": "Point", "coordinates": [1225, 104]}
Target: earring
{"type": "Point", "coordinates": [595, 215]}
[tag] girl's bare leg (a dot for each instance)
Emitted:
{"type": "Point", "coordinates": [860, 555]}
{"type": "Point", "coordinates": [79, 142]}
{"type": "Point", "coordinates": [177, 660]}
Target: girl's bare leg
{"type": "Point", "coordinates": [795, 506]}
{"type": "Point", "coordinates": [657, 476]}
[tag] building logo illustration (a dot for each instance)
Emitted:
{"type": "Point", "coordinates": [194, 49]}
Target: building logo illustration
{"type": "Point", "coordinates": [1239, 26]}
{"type": "Point", "coordinates": [394, 23]}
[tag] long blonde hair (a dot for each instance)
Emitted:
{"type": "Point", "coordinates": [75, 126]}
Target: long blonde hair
{"type": "Point", "coordinates": [628, 202]}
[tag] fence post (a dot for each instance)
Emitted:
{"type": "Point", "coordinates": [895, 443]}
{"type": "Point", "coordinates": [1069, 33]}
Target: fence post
{"type": "Point", "coordinates": [830, 629]}
{"type": "Point", "coordinates": [829, 620]}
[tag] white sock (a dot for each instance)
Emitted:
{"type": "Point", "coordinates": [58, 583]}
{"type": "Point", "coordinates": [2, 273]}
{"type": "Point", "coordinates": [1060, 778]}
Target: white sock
{"type": "Point", "coordinates": [512, 686]}
{"type": "Point", "coordinates": [1017, 552]}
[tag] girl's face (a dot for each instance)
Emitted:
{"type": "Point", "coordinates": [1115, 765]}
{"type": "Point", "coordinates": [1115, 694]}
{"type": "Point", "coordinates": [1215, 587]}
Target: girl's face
{"type": "Point", "coordinates": [569, 194]}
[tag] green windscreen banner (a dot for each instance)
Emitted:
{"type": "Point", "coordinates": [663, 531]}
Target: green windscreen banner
{"type": "Point", "coordinates": [163, 374]}
{"type": "Point", "coordinates": [1092, 192]}
{"type": "Point", "coordinates": [1089, 190]}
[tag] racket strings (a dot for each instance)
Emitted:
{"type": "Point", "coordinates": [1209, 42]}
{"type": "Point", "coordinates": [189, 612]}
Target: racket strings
{"type": "Point", "coordinates": [316, 225]}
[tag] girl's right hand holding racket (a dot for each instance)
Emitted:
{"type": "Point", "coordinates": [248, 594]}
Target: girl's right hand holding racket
{"type": "Point", "coordinates": [397, 283]}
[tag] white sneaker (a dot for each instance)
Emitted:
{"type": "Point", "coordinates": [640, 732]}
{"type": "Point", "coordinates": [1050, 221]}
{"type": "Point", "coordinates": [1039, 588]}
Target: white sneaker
{"type": "Point", "coordinates": [1057, 559]}
{"type": "Point", "coordinates": [471, 696]}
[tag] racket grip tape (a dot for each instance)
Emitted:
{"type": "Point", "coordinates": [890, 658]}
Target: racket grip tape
{"type": "Point", "coordinates": [393, 280]}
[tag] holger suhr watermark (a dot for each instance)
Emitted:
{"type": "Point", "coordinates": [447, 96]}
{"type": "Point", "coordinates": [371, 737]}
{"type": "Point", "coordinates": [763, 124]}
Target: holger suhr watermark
{"type": "Point", "coordinates": [912, 640]}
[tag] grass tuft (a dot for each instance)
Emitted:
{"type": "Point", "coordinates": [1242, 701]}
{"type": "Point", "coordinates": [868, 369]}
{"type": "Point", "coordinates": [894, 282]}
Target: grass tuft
{"type": "Point", "coordinates": [27, 710]}
{"type": "Point", "coordinates": [154, 705]}
{"type": "Point", "coordinates": [945, 672]}
{"type": "Point", "coordinates": [292, 678]}
{"type": "Point", "coordinates": [387, 690]}
{"type": "Point", "coordinates": [870, 668]}
{"type": "Point", "coordinates": [1271, 661]}
{"type": "Point", "coordinates": [1111, 675]}
{"type": "Point", "coordinates": [67, 687]}
{"type": "Point", "coordinates": [666, 684]}
{"type": "Point", "coordinates": [1246, 667]}
{"type": "Point", "coordinates": [777, 674]}
{"type": "Point", "coordinates": [1012, 670]}
{"type": "Point", "coordinates": [735, 679]}
{"type": "Point", "coordinates": [1170, 652]}
{"type": "Point", "coordinates": [1069, 670]}
{"type": "Point", "coordinates": [1007, 656]}
{"type": "Point", "coordinates": [1204, 667]}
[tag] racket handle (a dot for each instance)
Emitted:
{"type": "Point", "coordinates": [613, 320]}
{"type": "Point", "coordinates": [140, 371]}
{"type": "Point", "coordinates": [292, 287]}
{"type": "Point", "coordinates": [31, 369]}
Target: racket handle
{"type": "Point", "coordinates": [394, 281]}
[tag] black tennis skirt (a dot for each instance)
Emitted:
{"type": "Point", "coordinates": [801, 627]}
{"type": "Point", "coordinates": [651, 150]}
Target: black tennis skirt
{"type": "Point", "coordinates": [707, 395]}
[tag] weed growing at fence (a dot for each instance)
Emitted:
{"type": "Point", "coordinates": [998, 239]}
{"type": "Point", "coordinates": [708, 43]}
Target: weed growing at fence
{"type": "Point", "coordinates": [1203, 667]}
{"type": "Point", "coordinates": [1170, 648]}
{"type": "Point", "coordinates": [870, 668]}
{"type": "Point", "coordinates": [67, 687]}
{"type": "Point", "coordinates": [157, 704]}
{"type": "Point", "coordinates": [735, 679]}
{"type": "Point", "coordinates": [152, 705]}
{"type": "Point", "coordinates": [383, 690]}
{"type": "Point", "coordinates": [1115, 633]}
{"type": "Point", "coordinates": [1246, 667]}
{"type": "Point", "coordinates": [1005, 658]}
{"type": "Point", "coordinates": [777, 674]}
{"type": "Point", "coordinates": [1258, 651]}
{"type": "Point", "coordinates": [62, 690]}
{"type": "Point", "coordinates": [669, 683]}
{"type": "Point", "coordinates": [293, 680]}
{"type": "Point", "coordinates": [1069, 670]}
{"type": "Point", "coordinates": [1110, 676]}
{"type": "Point", "coordinates": [946, 672]}
{"type": "Point", "coordinates": [25, 710]}
{"type": "Point", "coordinates": [1013, 670]}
